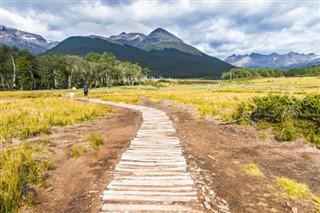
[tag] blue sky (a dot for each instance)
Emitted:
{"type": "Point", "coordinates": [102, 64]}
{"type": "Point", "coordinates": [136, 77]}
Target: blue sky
{"type": "Point", "coordinates": [218, 28]}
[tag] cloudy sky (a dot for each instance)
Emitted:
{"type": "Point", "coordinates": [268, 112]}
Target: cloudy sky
{"type": "Point", "coordinates": [218, 28]}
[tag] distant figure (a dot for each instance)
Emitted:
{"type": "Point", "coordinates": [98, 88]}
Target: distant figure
{"type": "Point", "coordinates": [85, 92]}
{"type": "Point", "coordinates": [72, 93]}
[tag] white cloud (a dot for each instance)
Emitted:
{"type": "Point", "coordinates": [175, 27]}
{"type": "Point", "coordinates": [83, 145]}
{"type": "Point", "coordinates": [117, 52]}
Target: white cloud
{"type": "Point", "coordinates": [218, 28]}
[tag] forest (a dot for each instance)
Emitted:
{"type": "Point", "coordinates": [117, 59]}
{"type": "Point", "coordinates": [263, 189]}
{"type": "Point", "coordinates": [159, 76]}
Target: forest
{"type": "Point", "coordinates": [240, 73]}
{"type": "Point", "coordinates": [19, 69]}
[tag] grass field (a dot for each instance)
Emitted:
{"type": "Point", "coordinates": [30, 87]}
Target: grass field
{"type": "Point", "coordinates": [213, 97]}
{"type": "Point", "coordinates": [26, 113]}
{"type": "Point", "coordinates": [29, 116]}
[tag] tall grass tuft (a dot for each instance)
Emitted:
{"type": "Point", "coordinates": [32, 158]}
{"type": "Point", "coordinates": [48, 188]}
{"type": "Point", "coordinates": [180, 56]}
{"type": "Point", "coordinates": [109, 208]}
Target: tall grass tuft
{"type": "Point", "coordinates": [95, 140]}
{"type": "Point", "coordinates": [19, 173]}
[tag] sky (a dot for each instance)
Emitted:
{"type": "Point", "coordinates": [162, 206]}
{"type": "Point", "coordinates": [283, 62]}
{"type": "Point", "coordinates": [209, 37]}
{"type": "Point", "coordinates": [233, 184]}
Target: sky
{"type": "Point", "coordinates": [216, 27]}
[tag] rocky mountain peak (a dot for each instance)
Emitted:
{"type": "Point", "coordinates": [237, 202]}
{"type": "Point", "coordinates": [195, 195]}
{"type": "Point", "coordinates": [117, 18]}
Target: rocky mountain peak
{"type": "Point", "coordinates": [24, 40]}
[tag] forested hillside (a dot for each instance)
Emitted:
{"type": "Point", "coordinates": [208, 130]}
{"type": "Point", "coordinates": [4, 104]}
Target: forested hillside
{"type": "Point", "coordinates": [167, 62]}
{"type": "Point", "coordinates": [238, 73]}
{"type": "Point", "coordinates": [19, 69]}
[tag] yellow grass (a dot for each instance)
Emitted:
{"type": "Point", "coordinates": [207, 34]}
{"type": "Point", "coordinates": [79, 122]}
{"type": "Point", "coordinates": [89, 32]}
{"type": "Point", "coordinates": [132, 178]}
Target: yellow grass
{"type": "Point", "coordinates": [26, 117]}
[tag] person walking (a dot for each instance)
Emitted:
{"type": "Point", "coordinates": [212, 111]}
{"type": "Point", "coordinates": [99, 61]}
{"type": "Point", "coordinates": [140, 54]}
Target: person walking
{"type": "Point", "coordinates": [85, 92]}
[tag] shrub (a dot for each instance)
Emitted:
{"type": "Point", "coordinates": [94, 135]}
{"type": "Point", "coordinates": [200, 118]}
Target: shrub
{"type": "Point", "coordinates": [286, 131]}
{"type": "Point", "coordinates": [309, 108]}
{"type": "Point", "coordinates": [273, 108]}
{"type": "Point", "coordinates": [243, 113]}
{"type": "Point", "coordinates": [291, 117]}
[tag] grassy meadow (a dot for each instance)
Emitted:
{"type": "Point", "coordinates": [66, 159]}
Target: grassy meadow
{"type": "Point", "coordinates": [25, 114]}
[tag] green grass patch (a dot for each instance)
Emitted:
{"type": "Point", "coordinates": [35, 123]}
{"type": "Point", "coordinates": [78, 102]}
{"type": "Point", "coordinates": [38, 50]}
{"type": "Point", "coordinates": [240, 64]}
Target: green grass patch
{"type": "Point", "coordinates": [253, 169]}
{"type": "Point", "coordinates": [77, 151]}
{"type": "Point", "coordinates": [95, 140]}
{"type": "Point", "coordinates": [293, 189]}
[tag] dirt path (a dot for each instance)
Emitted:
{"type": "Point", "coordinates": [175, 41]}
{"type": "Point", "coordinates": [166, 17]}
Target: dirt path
{"type": "Point", "coordinates": [221, 152]}
{"type": "Point", "coordinates": [76, 184]}
{"type": "Point", "coordinates": [215, 156]}
{"type": "Point", "coordinates": [152, 174]}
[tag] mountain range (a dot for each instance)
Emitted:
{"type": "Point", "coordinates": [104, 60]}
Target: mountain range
{"type": "Point", "coordinates": [274, 60]}
{"type": "Point", "coordinates": [164, 53]}
{"type": "Point", "coordinates": [24, 40]}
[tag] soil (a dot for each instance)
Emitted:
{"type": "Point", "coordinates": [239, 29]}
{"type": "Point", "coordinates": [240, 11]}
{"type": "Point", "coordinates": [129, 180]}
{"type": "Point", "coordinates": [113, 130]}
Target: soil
{"type": "Point", "coordinates": [222, 151]}
{"type": "Point", "coordinates": [76, 184]}
{"type": "Point", "coordinates": [217, 152]}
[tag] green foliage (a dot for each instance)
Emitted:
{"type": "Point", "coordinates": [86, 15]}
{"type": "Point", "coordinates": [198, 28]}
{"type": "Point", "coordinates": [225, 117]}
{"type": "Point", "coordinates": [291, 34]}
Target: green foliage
{"type": "Point", "coordinates": [309, 108]}
{"type": "Point", "coordinates": [304, 72]}
{"type": "Point", "coordinates": [291, 117]}
{"type": "Point", "coordinates": [239, 73]}
{"type": "Point", "coordinates": [167, 62]}
{"type": "Point", "coordinates": [253, 169]}
{"type": "Point", "coordinates": [273, 108]}
{"type": "Point", "coordinates": [286, 131]}
{"type": "Point", "coordinates": [19, 69]}
{"type": "Point", "coordinates": [293, 189]}
{"type": "Point", "coordinates": [20, 172]}
{"type": "Point", "coordinates": [77, 151]}
{"type": "Point", "coordinates": [243, 113]}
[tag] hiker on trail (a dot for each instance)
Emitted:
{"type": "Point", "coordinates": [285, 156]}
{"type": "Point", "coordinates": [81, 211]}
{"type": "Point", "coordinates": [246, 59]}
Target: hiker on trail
{"type": "Point", "coordinates": [72, 93]}
{"type": "Point", "coordinates": [85, 91]}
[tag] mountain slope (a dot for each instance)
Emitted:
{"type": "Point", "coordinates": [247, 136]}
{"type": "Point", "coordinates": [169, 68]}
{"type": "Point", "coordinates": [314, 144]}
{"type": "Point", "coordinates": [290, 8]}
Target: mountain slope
{"type": "Point", "coordinates": [24, 40]}
{"type": "Point", "coordinates": [274, 60]}
{"type": "Point", "coordinates": [165, 62]}
{"type": "Point", "coordinates": [159, 39]}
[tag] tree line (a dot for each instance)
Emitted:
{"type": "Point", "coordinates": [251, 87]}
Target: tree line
{"type": "Point", "coordinates": [238, 73]}
{"type": "Point", "coordinates": [19, 69]}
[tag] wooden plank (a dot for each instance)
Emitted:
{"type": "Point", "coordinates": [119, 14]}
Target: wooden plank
{"type": "Point", "coordinates": [150, 174]}
{"type": "Point", "coordinates": [144, 207]}
{"type": "Point", "coordinates": [139, 163]}
{"type": "Point", "coordinates": [180, 177]}
{"type": "Point", "coordinates": [150, 193]}
{"type": "Point", "coordinates": [150, 188]}
{"type": "Point", "coordinates": [151, 182]}
{"type": "Point", "coordinates": [147, 171]}
{"type": "Point", "coordinates": [148, 198]}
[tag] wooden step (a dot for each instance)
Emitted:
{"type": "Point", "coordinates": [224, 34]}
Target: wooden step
{"type": "Point", "coordinates": [141, 207]}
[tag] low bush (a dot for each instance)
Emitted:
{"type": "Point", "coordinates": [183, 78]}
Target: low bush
{"type": "Point", "coordinates": [291, 117]}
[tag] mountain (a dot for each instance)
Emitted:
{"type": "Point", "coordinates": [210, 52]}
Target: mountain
{"type": "Point", "coordinates": [132, 39]}
{"type": "Point", "coordinates": [24, 40]}
{"type": "Point", "coordinates": [159, 39]}
{"type": "Point", "coordinates": [274, 60]}
{"type": "Point", "coordinates": [165, 62]}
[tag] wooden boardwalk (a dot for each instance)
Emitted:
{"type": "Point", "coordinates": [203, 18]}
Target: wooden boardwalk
{"type": "Point", "coordinates": [152, 174]}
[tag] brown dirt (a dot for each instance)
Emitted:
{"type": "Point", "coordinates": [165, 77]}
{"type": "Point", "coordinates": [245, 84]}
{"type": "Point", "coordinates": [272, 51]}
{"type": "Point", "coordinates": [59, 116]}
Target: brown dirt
{"type": "Point", "coordinates": [232, 147]}
{"type": "Point", "coordinates": [76, 184]}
